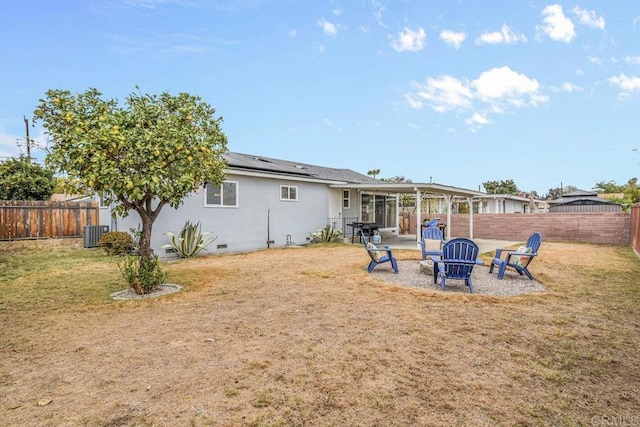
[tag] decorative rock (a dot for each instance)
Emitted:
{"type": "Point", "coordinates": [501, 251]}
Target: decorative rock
{"type": "Point", "coordinates": [426, 266]}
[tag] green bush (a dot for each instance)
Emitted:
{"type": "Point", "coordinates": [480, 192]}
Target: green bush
{"type": "Point", "coordinates": [326, 234]}
{"type": "Point", "coordinates": [116, 243]}
{"type": "Point", "coordinates": [142, 274]}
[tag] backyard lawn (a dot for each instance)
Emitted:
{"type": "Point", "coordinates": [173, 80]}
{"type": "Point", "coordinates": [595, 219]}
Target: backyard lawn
{"type": "Point", "coordinates": [306, 337]}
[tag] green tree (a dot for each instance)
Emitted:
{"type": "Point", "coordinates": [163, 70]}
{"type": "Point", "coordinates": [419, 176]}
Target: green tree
{"type": "Point", "coordinates": [608, 187]}
{"type": "Point", "coordinates": [21, 179]}
{"type": "Point", "coordinates": [501, 187]}
{"type": "Point", "coordinates": [406, 199]}
{"type": "Point", "coordinates": [151, 152]}
{"type": "Point", "coordinates": [373, 172]}
{"type": "Point", "coordinates": [632, 192]}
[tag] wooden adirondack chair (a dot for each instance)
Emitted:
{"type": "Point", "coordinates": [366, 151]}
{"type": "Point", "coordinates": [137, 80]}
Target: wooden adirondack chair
{"type": "Point", "coordinates": [518, 259]}
{"type": "Point", "coordinates": [431, 242]}
{"type": "Point", "coordinates": [375, 254]}
{"type": "Point", "coordinates": [458, 258]}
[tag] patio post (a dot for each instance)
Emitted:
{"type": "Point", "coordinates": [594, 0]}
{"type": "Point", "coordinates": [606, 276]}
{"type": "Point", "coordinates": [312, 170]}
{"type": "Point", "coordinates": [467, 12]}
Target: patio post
{"type": "Point", "coordinates": [418, 215]}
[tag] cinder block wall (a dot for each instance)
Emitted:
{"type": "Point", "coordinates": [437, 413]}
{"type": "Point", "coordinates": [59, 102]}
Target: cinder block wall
{"type": "Point", "coordinates": [598, 227]}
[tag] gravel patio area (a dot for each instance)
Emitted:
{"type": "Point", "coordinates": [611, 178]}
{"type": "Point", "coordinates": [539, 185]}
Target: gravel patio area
{"type": "Point", "coordinates": [483, 282]}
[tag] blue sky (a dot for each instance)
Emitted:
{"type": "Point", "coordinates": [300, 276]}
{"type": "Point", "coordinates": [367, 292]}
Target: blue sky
{"type": "Point", "coordinates": [458, 92]}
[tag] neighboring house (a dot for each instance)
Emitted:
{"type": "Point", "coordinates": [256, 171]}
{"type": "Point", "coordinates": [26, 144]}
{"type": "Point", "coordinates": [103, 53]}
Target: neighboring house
{"type": "Point", "coordinates": [583, 201]}
{"type": "Point", "coordinates": [267, 202]}
{"type": "Point", "coordinates": [508, 203]}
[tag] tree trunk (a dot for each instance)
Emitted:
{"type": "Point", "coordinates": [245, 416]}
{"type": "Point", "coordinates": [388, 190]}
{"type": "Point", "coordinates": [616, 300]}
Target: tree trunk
{"type": "Point", "coordinates": [145, 236]}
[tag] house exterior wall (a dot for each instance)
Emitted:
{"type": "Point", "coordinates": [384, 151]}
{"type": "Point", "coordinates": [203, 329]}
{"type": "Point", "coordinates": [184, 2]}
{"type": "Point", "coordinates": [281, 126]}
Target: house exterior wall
{"type": "Point", "coordinates": [502, 205]}
{"type": "Point", "coordinates": [259, 216]}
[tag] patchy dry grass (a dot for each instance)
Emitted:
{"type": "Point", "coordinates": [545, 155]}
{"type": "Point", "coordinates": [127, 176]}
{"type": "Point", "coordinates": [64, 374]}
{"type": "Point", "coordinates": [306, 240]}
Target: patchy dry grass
{"type": "Point", "coordinates": [304, 336]}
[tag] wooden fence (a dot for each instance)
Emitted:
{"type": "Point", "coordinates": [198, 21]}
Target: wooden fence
{"type": "Point", "coordinates": [635, 227]}
{"type": "Point", "coordinates": [21, 219]}
{"type": "Point", "coordinates": [597, 227]}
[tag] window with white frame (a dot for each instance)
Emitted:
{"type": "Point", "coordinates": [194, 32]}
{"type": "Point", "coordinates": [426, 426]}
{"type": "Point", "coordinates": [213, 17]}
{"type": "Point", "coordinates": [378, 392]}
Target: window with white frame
{"type": "Point", "coordinates": [223, 195]}
{"type": "Point", "coordinates": [288, 192]}
{"type": "Point", "coordinates": [346, 199]}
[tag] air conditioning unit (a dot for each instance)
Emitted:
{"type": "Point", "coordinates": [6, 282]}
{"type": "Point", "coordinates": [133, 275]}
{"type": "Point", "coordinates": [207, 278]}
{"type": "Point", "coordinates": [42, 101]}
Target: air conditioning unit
{"type": "Point", "coordinates": [92, 234]}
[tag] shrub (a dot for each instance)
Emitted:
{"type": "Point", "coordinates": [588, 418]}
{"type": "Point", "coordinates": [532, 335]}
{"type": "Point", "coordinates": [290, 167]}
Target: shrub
{"type": "Point", "coordinates": [116, 243]}
{"type": "Point", "coordinates": [190, 241]}
{"type": "Point", "coordinates": [142, 274]}
{"type": "Point", "coordinates": [326, 234]}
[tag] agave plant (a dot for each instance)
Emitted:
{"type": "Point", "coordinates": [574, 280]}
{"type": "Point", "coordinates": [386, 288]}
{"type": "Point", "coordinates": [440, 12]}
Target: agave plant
{"type": "Point", "coordinates": [326, 234]}
{"type": "Point", "coordinates": [190, 241]}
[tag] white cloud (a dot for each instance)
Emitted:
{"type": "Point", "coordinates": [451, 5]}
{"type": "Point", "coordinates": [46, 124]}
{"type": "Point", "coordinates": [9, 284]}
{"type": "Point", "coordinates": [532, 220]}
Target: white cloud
{"type": "Point", "coordinates": [293, 33]}
{"type": "Point", "coordinates": [445, 94]}
{"type": "Point", "coordinates": [632, 60]}
{"type": "Point", "coordinates": [589, 18]}
{"type": "Point", "coordinates": [556, 25]}
{"type": "Point", "coordinates": [477, 119]}
{"type": "Point", "coordinates": [628, 85]}
{"type": "Point", "coordinates": [329, 28]}
{"type": "Point", "coordinates": [505, 35]}
{"type": "Point", "coordinates": [413, 101]}
{"type": "Point", "coordinates": [594, 60]}
{"type": "Point", "coordinates": [410, 40]}
{"type": "Point", "coordinates": [338, 11]}
{"type": "Point", "coordinates": [378, 12]}
{"type": "Point", "coordinates": [495, 91]}
{"type": "Point", "coordinates": [503, 84]}
{"type": "Point", "coordinates": [567, 87]}
{"type": "Point", "coordinates": [453, 38]}
{"type": "Point", "coordinates": [413, 126]}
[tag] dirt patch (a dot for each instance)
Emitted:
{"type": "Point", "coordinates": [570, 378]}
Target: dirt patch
{"type": "Point", "coordinates": [306, 337]}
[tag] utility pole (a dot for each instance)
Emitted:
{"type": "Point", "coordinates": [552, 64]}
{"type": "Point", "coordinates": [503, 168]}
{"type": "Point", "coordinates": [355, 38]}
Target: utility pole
{"type": "Point", "coordinates": [26, 125]}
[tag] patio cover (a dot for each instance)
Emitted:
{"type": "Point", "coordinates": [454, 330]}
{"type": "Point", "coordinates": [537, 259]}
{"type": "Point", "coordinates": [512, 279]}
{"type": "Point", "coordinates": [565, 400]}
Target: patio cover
{"type": "Point", "coordinates": [448, 192]}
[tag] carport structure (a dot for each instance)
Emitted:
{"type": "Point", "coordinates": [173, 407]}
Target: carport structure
{"type": "Point", "coordinates": [448, 193]}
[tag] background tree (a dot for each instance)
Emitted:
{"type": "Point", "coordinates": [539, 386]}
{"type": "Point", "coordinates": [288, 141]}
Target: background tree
{"type": "Point", "coordinates": [632, 192]}
{"type": "Point", "coordinates": [21, 179]}
{"type": "Point", "coordinates": [608, 187]}
{"type": "Point", "coordinates": [405, 199]}
{"type": "Point", "coordinates": [501, 187]}
{"type": "Point", "coordinates": [373, 172]}
{"type": "Point", "coordinates": [153, 151]}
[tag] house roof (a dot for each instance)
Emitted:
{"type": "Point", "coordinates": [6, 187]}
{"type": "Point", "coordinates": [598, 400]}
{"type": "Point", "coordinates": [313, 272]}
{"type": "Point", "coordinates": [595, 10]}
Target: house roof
{"type": "Point", "coordinates": [581, 197]}
{"type": "Point", "coordinates": [248, 162]}
{"type": "Point", "coordinates": [336, 177]}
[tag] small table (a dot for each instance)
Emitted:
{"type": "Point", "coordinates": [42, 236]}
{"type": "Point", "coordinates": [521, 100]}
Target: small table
{"type": "Point", "coordinates": [367, 228]}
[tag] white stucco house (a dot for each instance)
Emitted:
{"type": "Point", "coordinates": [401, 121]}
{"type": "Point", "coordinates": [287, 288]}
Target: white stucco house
{"type": "Point", "coordinates": [508, 203]}
{"type": "Point", "coordinates": [266, 202]}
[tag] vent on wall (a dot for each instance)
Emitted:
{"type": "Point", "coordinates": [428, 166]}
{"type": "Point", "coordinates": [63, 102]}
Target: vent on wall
{"type": "Point", "coordinates": [92, 234]}
{"type": "Point", "coordinates": [224, 246]}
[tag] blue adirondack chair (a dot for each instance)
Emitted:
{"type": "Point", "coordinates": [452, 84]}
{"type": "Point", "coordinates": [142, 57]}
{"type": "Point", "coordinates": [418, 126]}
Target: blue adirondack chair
{"type": "Point", "coordinates": [458, 258]}
{"type": "Point", "coordinates": [429, 235]}
{"type": "Point", "coordinates": [375, 254]}
{"type": "Point", "coordinates": [433, 223]}
{"type": "Point", "coordinates": [518, 259]}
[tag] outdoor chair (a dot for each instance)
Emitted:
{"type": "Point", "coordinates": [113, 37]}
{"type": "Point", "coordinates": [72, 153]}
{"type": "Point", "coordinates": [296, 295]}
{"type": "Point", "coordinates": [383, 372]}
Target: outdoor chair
{"type": "Point", "coordinates": [375, 254]}
{"type": "Point", "coordinates": [458, 258]}
{"type": "Point", "coordinates": [518, 259]}
{"type": "Point", "coordinates": [433, 223]}
{"type": "Point", "coordinates": [431, 242]}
